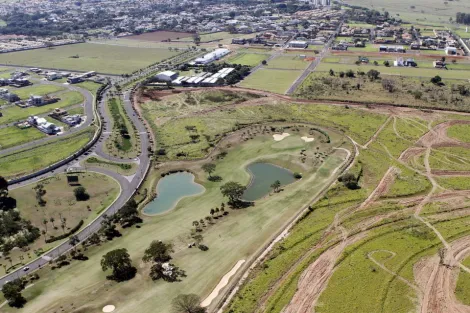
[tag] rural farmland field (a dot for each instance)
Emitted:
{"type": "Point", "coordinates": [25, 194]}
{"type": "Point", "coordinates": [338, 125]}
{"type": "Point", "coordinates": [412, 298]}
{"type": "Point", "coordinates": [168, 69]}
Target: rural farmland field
{"type": "Point", "coordinates": [103, 58]}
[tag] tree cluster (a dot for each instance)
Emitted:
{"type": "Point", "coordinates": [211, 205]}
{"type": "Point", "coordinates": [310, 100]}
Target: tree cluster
{"type": "Point", "coordinates": [159, 254]}
{"type": "Point", "coordinates": [463, 18]}
{"type": "Point", "coordinates": [12, 293]}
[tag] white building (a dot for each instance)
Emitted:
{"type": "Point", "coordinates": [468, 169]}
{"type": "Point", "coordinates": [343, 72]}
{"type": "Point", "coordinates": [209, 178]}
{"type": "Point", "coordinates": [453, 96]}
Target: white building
{"type": "Point", "coordinates": [298, 44]}
{"type": "Point", "coordinates": [166, 76]}
{"type": "Point", "coordinates": [451, 51]}
{"type": "Point", "coordinates": [53, 76]}
{"type": "Point", "coordinates": [212, 56]}
{"type": "Point", "coordinates": [43, 125]}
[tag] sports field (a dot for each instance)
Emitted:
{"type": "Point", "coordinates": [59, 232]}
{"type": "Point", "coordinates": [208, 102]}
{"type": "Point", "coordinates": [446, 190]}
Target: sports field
{"type": "Point", "coordinates": [101, 58]}
{"type": "Point", "coordinates": [277, 81]}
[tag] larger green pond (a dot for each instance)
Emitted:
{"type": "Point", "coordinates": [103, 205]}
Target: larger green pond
{"type": "Point", "coordinates": [170, 190]}
{"type": "Point", "coordinates": [263, 175]}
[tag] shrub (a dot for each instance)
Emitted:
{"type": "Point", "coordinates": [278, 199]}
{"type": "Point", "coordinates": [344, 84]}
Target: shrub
{"type": "Point", "coordinates": [81, 194]}
{"type": "Point", "coordinates": [203, 247]}
{"type": "Point", "coordinates": [297, 175]}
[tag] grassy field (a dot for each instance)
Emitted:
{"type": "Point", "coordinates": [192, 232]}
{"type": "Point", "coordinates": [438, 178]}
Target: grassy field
{"type": "Point", "coordinates": [61, 203]}
{"type": "Point", "coordinates": [277, 81]}
{"type": "Point", "coordinates": [398, 71]}
{"type": "Point", "coordinates": [409, 91]}
{"type": "Point", "coordinates": [288, 62]}
{"type": "Point", "coordinates": [250, 59]}
{"type": "Point", "coordinates": [230, 238]}
{"type": "Point", "coordinates": [423, 11]}
{"type": "Point", "coordinates": [32, 159]}
{"type": "Point", "coordinates": [13, 136]}
{"type": "Point", "coordinates": [37, 90]}
{"type": "Point", "coordinates": [15, 113]}
{"type": "Point", "coordinates": [92, 57]}
{"type": "Point", "coordinates": [90, 86]}
{"type": "Point", "coordinates": [459, 132]}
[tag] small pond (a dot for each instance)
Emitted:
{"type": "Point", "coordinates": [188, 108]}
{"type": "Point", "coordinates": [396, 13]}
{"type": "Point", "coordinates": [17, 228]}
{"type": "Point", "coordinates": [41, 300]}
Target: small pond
{"type": "Point", "coordinates": [170, 190]}
{"type": "Point", "coordinates": [263, 175]}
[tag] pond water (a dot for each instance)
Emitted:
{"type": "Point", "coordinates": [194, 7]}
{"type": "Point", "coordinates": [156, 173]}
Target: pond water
{"type": "Point", "coordinates": [263, 175]}
{"type": "Point", "coordinates": [170, 190]}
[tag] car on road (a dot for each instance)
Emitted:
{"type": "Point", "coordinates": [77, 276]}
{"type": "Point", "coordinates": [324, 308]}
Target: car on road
{"type": "Point", "coordinates": [26, 269]}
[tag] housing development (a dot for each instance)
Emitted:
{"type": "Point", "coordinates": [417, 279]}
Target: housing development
{"type": "Point", "coordinates": [288, 156]}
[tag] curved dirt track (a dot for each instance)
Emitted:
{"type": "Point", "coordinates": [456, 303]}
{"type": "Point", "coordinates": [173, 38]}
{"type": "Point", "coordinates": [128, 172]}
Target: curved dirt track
{"type": "Point", "coordinates": [438, 279]}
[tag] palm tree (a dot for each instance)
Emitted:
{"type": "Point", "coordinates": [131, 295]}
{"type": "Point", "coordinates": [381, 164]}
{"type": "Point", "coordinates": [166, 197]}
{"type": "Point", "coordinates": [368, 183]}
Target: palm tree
{"type": "Point", "coordinates": [208, 219]}
{"type": "Point", "coordinates": [276, 185]}
{"type": "Point", "coordinates": [196, 224]}
{"type": "Point", "coordinates": [212, 212]}
{"type": "Point", "coordinates": [43, 232]}
{"type": "Point", "coordinates": [222, 210]}
{"type": "Point", "coordinates": [217, 211]}
{"type": "Point", "coordinates": [201, 221]}
{"type": "Point", "coordinates": [52, 220]}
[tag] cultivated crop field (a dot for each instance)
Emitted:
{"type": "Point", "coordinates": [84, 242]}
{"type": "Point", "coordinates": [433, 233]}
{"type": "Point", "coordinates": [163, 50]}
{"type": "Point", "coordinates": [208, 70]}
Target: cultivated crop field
{"type": "Point", "coordinates": [101, 58]}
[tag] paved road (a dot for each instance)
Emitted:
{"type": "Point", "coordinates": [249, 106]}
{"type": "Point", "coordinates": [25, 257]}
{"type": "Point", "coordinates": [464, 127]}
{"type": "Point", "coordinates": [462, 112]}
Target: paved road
{"type": "Point", "coordinates": [314, 64]}
{"type": "Point", "coordinates": [128, 187]}
{"type": "Point", "coordinates": [88, 105]}
{"type": "Point", "coordinates": [128, 184]}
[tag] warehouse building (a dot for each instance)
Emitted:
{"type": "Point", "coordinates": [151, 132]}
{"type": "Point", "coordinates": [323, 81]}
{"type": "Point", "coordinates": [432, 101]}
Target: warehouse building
{"type": "Point", "coordinates": [166, 76]}
{"type": "Point", "coordinates": [215, 55]}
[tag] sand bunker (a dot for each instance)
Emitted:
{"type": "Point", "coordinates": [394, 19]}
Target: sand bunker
{"type": "Point", "coordinates": [109, 308]}
{"type": "Point", "coordinates": [223, 282]}
{"type": "Point", "coordinates": [307, 139]}
{"type": "Point", "coordinates": [278, 137]}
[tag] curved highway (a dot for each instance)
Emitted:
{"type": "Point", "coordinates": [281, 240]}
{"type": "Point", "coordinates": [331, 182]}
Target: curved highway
{"type": "Point", "coordinates": [128, 184]}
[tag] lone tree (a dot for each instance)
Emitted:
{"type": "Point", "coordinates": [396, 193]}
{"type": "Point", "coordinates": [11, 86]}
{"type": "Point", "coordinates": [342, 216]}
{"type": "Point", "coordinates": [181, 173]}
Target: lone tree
{"type": "Point", "coordinates": [436, 80]}
{"type": "Point", "coordinates": [349, 181]}
{"type": "Point", "coordinates": [12, 293]}
{"type": "Point", "coordinates": [276, 185]}
{"type": "Point", "coordinates": [209, 168]}
{"type": "Point", "coordinates": [233, 190]}
{"type": "Point", "coordinates": [187, 304]}
{"type": "Point", "coordinates": [264, 62]}
{"type": "Point", "coordinates": [120, 262]}
{"type": "Point", "coordinates": [81, 194]}
{"type": "Point", "coordinates": [158, 251]}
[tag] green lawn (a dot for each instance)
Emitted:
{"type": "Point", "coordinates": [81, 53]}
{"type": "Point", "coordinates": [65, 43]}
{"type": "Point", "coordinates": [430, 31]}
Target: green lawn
{"type": "Point", "coordinates": [92, 57]}
{"type": "Point", "coordinates": [13, 136]}
{"type": "Point", "coordinates": [90, 86]}
{"type": "Point", "coordinates": [37, 90]}
{"type": "Point", "coordinates": [250, 59]}
{"type": "Point", "coordinates": [277, 81]}
{"type": "Point", "coordinates": [127, 168]}
{"type": "Point", "coordinates": [15, 113]}
{"type": "Point", "coordinates": [32, 159]}
{"type": "Point", "coordinates": [288, 62]}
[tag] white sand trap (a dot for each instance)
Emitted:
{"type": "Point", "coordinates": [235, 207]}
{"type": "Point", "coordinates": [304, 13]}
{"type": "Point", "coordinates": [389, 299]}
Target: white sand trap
{"type": "Point", "coordinates": [278, 137]}
{"type": "Point", "coordinates": [307, 139]}
{"type": "Point", "coordinates": [109, 308]}
{"type": "Point", "coordinates": [223, 282]}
